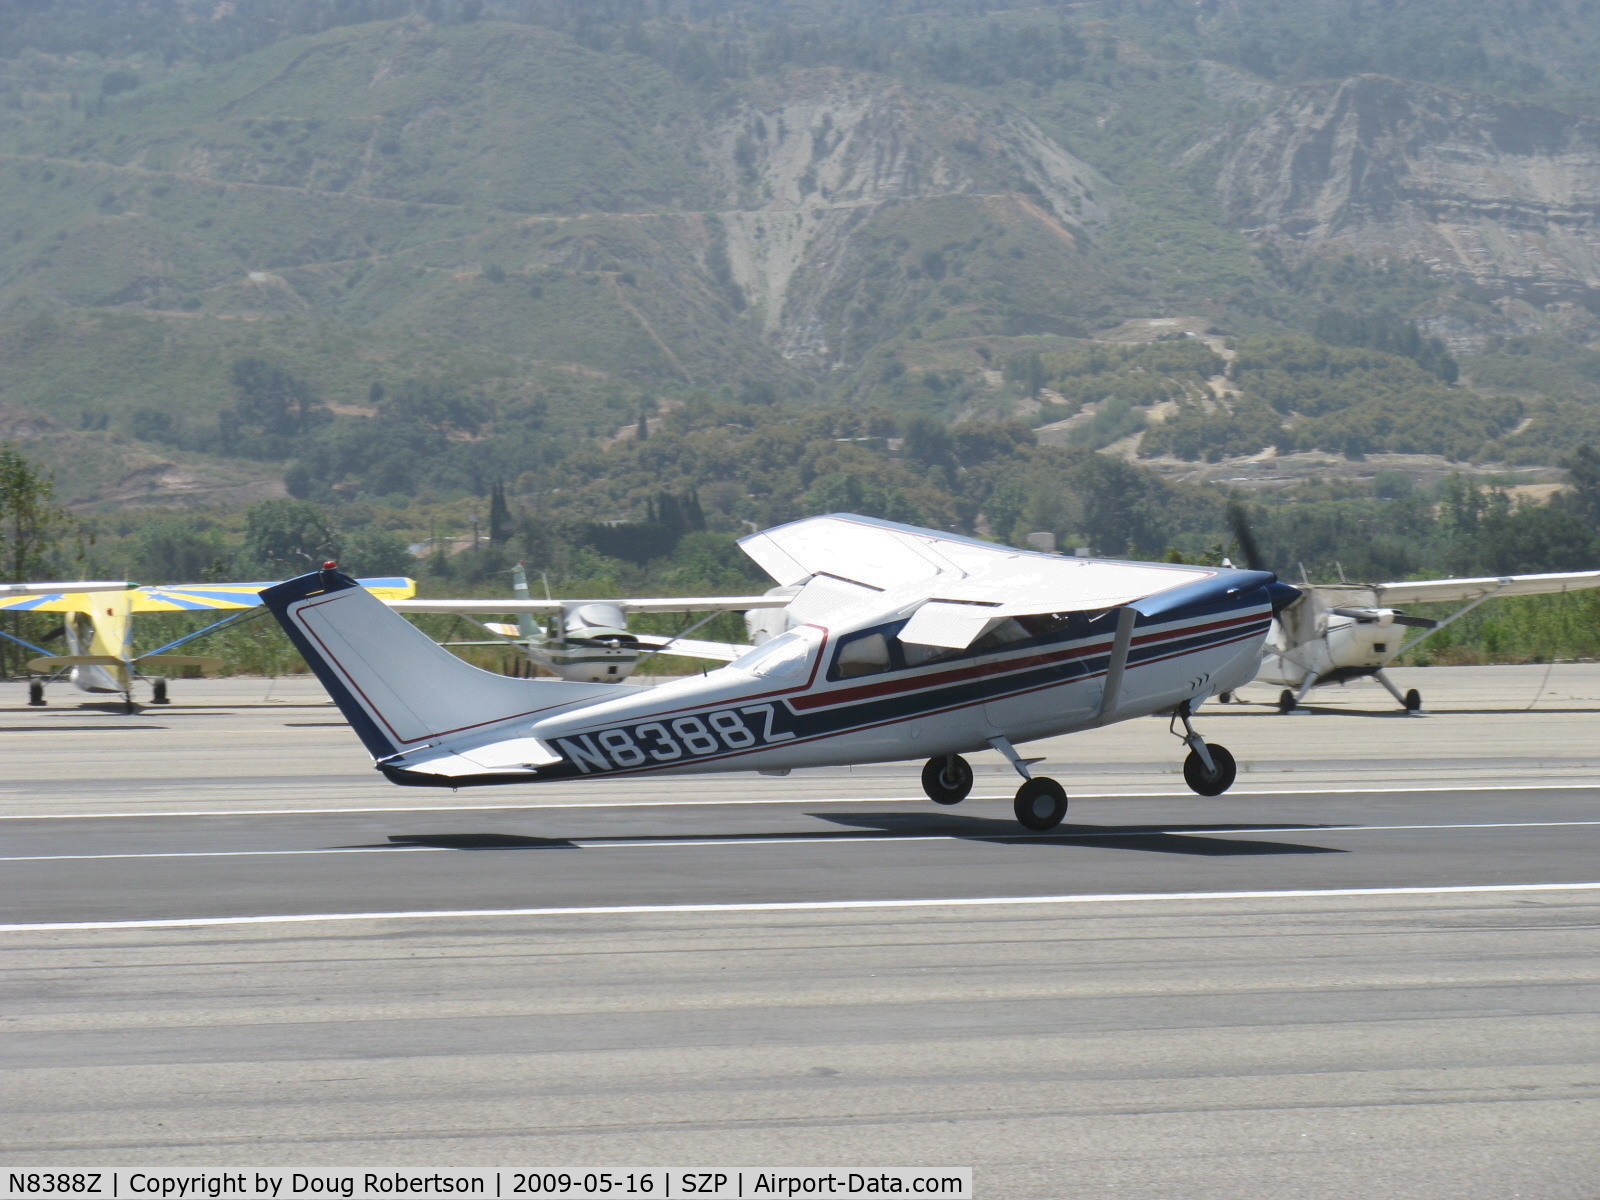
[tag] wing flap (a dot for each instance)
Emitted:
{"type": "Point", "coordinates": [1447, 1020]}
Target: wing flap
{"type": "Point", "coordinates": [956, 626]}
{"type": "Point", "coordinates": [826, 597]}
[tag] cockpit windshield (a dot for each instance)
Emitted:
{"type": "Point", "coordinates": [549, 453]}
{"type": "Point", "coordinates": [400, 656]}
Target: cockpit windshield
{"type": "Point", "coordinates": [785, 656]}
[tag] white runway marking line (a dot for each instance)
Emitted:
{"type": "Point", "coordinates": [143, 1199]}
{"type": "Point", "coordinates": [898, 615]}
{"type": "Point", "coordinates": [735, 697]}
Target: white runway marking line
{"type": "Point", "coordinates": [1398, 790]}
{"type": "Point", "coordinates": [862, 838]}
{"type": "Point", "coordinates": [611, 910]}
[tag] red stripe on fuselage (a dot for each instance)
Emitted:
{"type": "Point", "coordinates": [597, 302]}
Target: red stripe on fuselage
{"type": "Point", "coordinates": [899, 684]}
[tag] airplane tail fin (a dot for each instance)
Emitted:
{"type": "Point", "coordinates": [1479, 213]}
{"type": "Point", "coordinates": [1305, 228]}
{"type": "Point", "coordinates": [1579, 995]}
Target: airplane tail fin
{"type": "Point", "coordinates": [398, 688]}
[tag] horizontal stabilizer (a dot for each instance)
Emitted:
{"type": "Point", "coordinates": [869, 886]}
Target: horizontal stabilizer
{"type": "Point", "coordinates": [509, 757]}
{"type": "Point", "coordinates": [60, 662]}
{"type": "Point", "coordinates": [694, 647]}
{"type": "Point", "coordinates": [175, 663]}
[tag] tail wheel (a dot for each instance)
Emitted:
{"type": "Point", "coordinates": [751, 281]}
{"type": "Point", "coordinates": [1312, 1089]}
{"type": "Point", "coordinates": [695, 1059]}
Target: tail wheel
{"type": "Point", "coordinates": [1041, 804]}
{"type": "Point", "coordinates": [1286, 701]}
{"type": "Point", "coordinates": [947, 779]}
{"type": "Point", "coordinates": [158, 692]}
{"type": "Point", "coordinates": [36, 692]}
{"type": "Point", "coordinates": [1213, 782]}
{"type": "Point", "coordinates": [1413, 700]}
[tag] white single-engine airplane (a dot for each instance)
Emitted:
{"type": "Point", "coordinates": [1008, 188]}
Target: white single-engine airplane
{"type": "Point", "coordinates": [1338, 632]}
{"type": "Point", "coordinates": [99, 629]}
{"type": "Point", "coordinates": [913, 644]}
{"type": "Point", "coordinates": [589, 641]}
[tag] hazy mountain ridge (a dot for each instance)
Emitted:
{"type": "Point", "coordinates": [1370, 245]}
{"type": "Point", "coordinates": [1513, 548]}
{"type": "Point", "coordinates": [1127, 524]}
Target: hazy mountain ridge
{"type": "Point", "coordinates": [865, 206]}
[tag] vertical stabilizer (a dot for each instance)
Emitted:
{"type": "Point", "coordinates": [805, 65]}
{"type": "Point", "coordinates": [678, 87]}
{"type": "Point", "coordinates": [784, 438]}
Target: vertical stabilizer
{"type": "Point", "coordinates": [398, 688]}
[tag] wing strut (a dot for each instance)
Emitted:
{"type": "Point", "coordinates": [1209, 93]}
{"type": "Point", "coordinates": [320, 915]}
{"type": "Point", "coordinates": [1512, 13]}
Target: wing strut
{"type": "Point", "coordinates": [1455, 616]}
{"type": "Point", "coordinates": [1118, 664]}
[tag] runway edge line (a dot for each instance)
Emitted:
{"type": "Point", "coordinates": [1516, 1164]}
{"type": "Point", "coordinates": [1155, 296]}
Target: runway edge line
{"type": "Point", "coordinates": [794, 906]}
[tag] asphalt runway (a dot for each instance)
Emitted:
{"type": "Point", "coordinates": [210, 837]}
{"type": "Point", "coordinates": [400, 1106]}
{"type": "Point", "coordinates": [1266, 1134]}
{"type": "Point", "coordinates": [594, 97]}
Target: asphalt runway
{"type": "Point", "coordinates": [1369, 970]}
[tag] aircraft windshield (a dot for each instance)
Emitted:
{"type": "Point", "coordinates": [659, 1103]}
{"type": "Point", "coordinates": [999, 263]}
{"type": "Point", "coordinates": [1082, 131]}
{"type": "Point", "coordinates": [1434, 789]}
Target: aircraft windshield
{"type": "Point", "coordinates": [785, 655]}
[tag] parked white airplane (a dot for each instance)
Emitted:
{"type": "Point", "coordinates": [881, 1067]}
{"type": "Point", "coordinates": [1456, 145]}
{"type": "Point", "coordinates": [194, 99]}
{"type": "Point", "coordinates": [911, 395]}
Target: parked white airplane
{"type": "Point", "coordinates": [1338, 632]}
{"type": "Point", "coordinates": [589, 640]}
{"type": "Point", "coordinates": [914, 644]}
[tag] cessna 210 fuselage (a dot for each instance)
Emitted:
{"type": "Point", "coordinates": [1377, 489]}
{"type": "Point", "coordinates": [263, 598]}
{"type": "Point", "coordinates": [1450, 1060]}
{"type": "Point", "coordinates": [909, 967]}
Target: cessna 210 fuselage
{"type": "Point", "coordinates": [908, 644]}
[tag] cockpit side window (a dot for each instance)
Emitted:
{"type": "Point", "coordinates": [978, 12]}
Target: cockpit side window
{"type": "Point", "coordinates": [864, 654]}
{"type": "Point", "coordinates": [1000, 636]}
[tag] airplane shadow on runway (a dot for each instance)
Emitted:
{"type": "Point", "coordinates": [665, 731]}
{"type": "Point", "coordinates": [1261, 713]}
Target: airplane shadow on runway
{"type": "Point", "coordinates": [1249, 709]}
{"type": "Point", "coordinates": [1188, 839]}
{"type": "Point", "coordinates": [1160, 839]}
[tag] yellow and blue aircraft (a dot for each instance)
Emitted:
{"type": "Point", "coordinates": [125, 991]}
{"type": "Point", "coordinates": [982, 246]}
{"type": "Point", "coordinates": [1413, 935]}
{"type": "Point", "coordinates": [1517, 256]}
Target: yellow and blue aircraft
{"type": "Point", "coordinates": [98, 625]}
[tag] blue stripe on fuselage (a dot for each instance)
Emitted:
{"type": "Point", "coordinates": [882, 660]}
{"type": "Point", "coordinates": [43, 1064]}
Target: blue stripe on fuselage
{"type": "Point", "coordinates": [902, 696]}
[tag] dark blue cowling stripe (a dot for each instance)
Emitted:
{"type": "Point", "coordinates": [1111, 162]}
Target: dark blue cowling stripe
{"type": "Point", "coordinates": [278, 598]}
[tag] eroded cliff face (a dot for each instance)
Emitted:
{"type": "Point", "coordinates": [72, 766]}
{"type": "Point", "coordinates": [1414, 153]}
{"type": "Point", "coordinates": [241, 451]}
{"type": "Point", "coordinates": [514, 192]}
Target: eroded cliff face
{"type": "Point", "coordinates": [1503, 195]}
{"type": "Point", "coordinates": [802, 172]}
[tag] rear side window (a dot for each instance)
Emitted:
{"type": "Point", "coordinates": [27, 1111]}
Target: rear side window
{"type": "Point", "coordinates": [863, 654]}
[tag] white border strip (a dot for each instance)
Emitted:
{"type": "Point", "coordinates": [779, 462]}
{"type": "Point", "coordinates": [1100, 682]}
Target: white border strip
{"type": "Point", "coordinates": [1398, 789]}
{"type": "Point", "coordinates": [797, 906]}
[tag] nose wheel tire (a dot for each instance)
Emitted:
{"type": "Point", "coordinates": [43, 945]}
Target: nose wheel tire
{"type": "Point", "coordinates": [1413, 700]}
{"type": "Point", "coordinates": [1213, 782]}
{"type": "Point", "coordinates": [1041, 804]}
{"type": "Point", "coordinates": [947, 779]}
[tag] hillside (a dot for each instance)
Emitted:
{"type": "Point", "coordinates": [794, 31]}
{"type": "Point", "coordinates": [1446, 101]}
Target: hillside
{"type": "Point", "coordinates": [563, 216]}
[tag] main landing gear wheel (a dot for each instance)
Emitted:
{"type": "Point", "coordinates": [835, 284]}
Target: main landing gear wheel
{"type": "Point", "coordinates": [947, 779]}
{"type": "Point", "coordinates": [1210, 783]}
{"type": "Point", "coordinates": [158, 692]}
{"type": "Point", "coordinates": [1286, 701]}
{"type": "Point", "coordinates": [1041, 803]}
{"type": "Point", "coordinates": [1224, 697]}
{"type": "Point", "coordinates": [35, 692]}
{"type": "Point", "coordinates": [1413, 700]}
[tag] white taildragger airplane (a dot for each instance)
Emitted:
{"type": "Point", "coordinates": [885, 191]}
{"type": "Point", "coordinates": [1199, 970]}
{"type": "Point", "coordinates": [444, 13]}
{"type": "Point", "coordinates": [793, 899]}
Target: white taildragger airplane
{"type": "Point", "coordinates": [912, 644]}
{"type": "Point", "coordinates": [1338, 632]}
{"type": "Point", "coordinates": [99, 629]}
{"type": "Point", "coordinates": [589, 641]}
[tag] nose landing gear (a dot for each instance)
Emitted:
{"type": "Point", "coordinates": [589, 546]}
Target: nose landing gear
{"type": "Point", "coordinates": [1209, 770]}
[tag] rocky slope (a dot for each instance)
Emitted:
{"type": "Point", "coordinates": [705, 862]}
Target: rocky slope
{"type": "Point", "coordinates": [1501, 195]}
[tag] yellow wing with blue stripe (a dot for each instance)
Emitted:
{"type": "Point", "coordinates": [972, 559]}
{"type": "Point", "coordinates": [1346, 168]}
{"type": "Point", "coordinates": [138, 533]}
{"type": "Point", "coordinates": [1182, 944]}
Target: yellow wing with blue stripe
{"type": "Point", "coordinates": [184, 597]}
{"type": "Point", "coordinates": [197, 597]}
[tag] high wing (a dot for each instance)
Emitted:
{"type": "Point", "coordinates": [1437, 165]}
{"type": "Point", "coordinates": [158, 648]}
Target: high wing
{"type": "Point", "coordinates": [969, 586]}
{"type": "Point", "coordinates": [198, 597]}
{"type": "Point", "coordinates": [15, 590]}
{"type": "Point", "coordinates": [185, 597]}
{"type": "Point", "coordinates": [1424, 591]}
{"type": "Point", "coordinates": [669, 604]}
